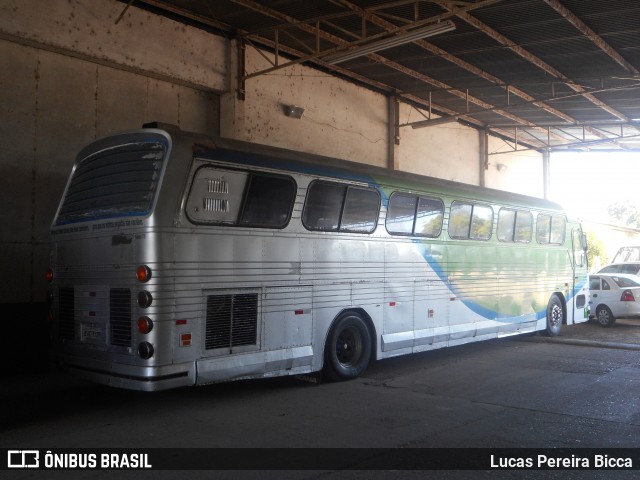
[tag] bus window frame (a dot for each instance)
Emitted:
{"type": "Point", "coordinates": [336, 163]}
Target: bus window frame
{"type": "Point", "coordinates": [516, 212]}
{"type": "Point", "coordinates": [346, 186]}
{"type": "Point", "coordinates": [417, 197]}
{"type": "Point", "coordinates": [470, 224]}
{"type": "Point", "coordinates": [549, 231]}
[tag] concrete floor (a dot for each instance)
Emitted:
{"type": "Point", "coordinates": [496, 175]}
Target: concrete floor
{"type": "Point", "coordinates": [579, 390]}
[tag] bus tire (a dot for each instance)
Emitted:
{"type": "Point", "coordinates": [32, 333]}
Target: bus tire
{"type": "Point", "coordinates": [555, 316]}
{"type": "Point", "coordinates": [604, 316]}
{"type": "Point", "coordinates": [348, 349]}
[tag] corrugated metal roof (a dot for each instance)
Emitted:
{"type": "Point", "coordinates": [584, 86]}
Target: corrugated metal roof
{"type": "Point", "coordinates": [532, 69]}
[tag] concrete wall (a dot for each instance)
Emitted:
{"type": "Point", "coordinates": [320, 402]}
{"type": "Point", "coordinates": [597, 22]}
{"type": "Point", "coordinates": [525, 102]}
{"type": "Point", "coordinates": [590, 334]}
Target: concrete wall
{"type": "Point", "coordinates": [140, 41]}
{"type": "Point", "coordinates": [450, 151]}
{"type": "Point", "coordinates": [67, 77]}
{"type": "Point", "coordinates": [514, 171]}
{"type": "Point", "coordinates": [340, 120]}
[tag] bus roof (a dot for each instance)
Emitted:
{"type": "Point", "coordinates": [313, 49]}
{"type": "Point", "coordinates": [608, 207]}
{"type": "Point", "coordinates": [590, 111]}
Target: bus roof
{"type": "Point", "coordinates": [253, 154]}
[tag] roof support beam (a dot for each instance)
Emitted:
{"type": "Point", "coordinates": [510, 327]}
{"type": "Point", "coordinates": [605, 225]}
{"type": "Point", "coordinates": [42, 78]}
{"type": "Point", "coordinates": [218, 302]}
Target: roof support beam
{"type": "Point", "coordinates": [434, 49]}
{"type": "Point", "coordinates": [376, 20]}
{"type": "Point", "coordinates": [538, 62]}
{"type": "Point", "coordinates": [593, 36]}
{"type": "Point", "coordinates": [407, 97]}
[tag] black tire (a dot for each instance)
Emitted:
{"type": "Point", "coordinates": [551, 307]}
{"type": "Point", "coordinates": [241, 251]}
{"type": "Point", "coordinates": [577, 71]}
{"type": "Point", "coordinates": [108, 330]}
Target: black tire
{"type": "Point", "coordinates": [604, 316]}
{"type": "Point", "coordinates": [555, 316]}
{"type": "Point", "coordinates": [348, 349]}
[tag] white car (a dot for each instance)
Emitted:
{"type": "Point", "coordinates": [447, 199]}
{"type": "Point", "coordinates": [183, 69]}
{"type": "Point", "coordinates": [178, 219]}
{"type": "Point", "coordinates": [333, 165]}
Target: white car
{"type": "Point", "coordinates": [614, 296]}
{"type": "Point", "coordinates": [632, 268]}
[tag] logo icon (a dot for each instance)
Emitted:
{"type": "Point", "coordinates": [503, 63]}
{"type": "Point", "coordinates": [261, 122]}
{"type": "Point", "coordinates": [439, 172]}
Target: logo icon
{"type": "Point", "coordinates": [23, 459]}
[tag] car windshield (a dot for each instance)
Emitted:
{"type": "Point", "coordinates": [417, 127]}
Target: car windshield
{"type": "Point", "coordinates": [610, 269]}
{"type": "Point", "coordinates": [624, 282]}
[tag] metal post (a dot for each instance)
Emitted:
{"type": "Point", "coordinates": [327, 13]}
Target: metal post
{"type": "Point", "coordinates": [546, 172]}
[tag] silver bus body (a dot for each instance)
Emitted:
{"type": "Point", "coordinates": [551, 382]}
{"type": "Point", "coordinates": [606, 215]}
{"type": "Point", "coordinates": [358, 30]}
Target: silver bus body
{"type": "Point", "coordinates": [166, 272]}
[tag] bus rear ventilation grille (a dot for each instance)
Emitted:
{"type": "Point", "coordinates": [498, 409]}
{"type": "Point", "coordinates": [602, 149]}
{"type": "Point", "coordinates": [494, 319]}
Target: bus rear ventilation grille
{"type": "Point", "coordinates": [120, 317]}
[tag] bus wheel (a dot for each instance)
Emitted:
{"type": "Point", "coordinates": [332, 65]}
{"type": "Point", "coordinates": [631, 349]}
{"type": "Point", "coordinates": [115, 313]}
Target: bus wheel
{"type": "Point", "coordinates": [348, 348]}
{"type": "Point", "coordinates": [555, 316]}
{"type": "Point", "coordinates": [605, 317]}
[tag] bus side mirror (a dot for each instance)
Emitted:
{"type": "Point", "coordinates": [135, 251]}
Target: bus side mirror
{"type": "Point", "coordinates": [583, 240]}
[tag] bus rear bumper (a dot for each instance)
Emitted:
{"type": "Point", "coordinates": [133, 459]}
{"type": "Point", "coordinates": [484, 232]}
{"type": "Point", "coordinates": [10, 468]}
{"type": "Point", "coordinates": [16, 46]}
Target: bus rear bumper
{"type": "Point", "coordinates": [133, 377]}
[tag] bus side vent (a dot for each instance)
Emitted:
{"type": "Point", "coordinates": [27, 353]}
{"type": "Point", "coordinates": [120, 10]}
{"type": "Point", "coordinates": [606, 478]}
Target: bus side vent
{"type": "Point", "coordinates": [67, 313]}
{"type": "Point", "coordinates": [217, 185]}
{"type": "Point", "coordinates": [232, 320]}
{"type": "Point", "coordinates": [215, 204]}
{"type": "Point", "coordinates": [120, 316]}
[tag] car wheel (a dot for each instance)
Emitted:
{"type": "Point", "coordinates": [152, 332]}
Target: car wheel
{"type": "Point", "coordinates": [348, 349]}
{"type": "Point", "coordinates": [605, 317]}
{"type": "Point", "coordinates": [555, 316]}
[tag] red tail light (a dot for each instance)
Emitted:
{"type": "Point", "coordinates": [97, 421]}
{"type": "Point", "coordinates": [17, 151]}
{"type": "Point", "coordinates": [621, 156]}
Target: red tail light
{"type": "Point", "coordinates": [145, 325]}
{"type": "Point", "coordinates": [627, 296]}
{"type": "Point", "coordinates": [143, 273]}
{"type": "Point", "coordinates": [48, 275]}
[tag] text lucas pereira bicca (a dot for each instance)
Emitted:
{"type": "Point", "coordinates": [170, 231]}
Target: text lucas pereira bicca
{"type": "Point", "coordinates": [568, 462]}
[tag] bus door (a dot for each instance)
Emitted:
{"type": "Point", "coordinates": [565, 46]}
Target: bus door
{"type": "Point", "coordinates": [578, 311]}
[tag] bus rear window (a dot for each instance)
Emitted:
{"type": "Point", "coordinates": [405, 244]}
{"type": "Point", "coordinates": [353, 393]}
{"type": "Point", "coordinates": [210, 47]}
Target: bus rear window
{"type": "Point", "coordinates": [115, 182]}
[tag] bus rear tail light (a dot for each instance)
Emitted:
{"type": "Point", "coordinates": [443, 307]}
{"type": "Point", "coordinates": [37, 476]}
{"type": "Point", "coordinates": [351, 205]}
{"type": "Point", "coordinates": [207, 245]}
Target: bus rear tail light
{"type": "Point", "coordinates": [145, 350]}
{"type": "Point", "coordinates": [143, 273]}
{"type": "Point", "coordinates": [145, 299]}
{"type": "Point", "coordinates": [627, 296]}
{"type": "Point", "coordinates": [145, 325]}
{"type": "Point", "coordinates": [48, 275]}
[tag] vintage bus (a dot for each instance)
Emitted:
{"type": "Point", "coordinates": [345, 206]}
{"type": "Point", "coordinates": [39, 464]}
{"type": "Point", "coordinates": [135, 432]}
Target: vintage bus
{"type": "Point", "coordinates": [179, 259]}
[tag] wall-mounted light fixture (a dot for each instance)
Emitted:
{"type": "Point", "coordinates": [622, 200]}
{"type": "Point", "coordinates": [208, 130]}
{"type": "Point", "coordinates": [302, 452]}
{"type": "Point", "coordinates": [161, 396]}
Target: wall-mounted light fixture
{"type": "Point", "coordinates": [394, 41]}
{"type": "Point", "coordinates": [293, 111]}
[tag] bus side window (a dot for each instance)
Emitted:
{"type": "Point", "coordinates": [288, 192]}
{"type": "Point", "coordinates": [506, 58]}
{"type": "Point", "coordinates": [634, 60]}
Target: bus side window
{"type": "Point", "coordinates": [401, 213]}
{"type": "Point", "coordinates": [515, 225]}
{"type": "Point", "coordinates": [333, 207]}
{"type": "Point", "coordinates": [269, 201]}
{"type": "Point", "coordinates": [413, 215]}
{"type": "Point", "coordinates": [470, 221]}
{"type": "Point", "coordinates": [240, 198]}
{"type": "Point", "coordinates": [361, 209]}
{"type": "Point", "coordinates": [550, 229]}
{"type": "Point", "coordinates": [323, 205]}
{"type": "Point", "coordinates": [557, 229]}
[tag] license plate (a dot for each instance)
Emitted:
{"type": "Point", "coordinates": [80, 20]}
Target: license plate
{"type": "Point", "coordinates": [91, 332]}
